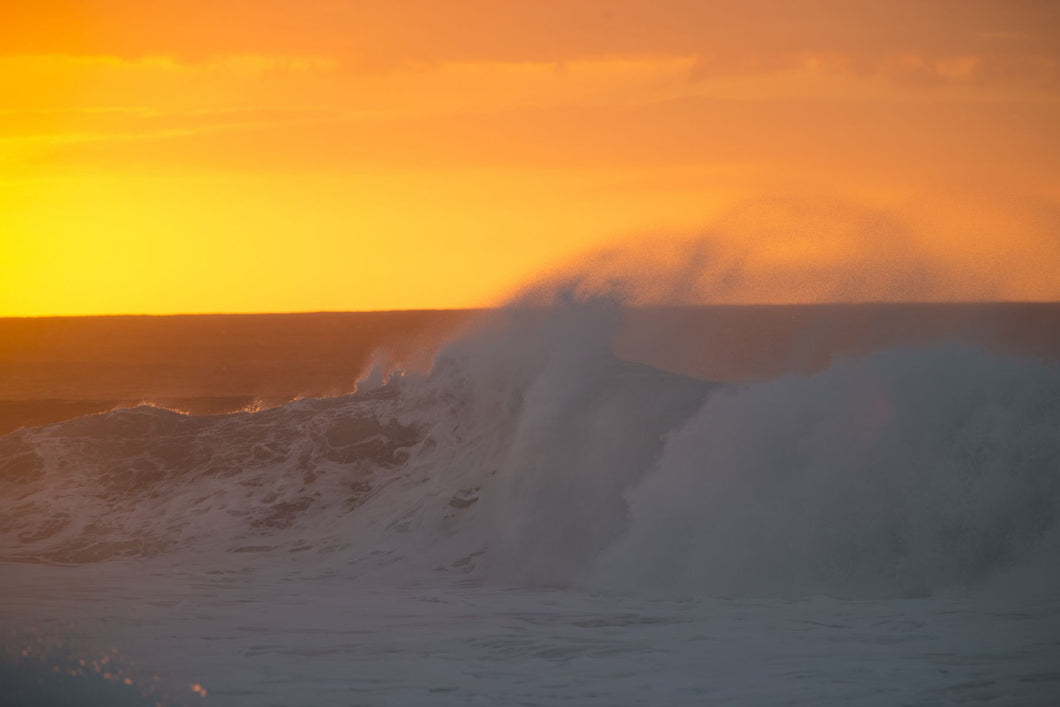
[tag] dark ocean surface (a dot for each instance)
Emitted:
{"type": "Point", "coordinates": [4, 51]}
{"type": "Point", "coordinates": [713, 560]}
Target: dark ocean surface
{"type": "Point", "coordinates": [53, 369]}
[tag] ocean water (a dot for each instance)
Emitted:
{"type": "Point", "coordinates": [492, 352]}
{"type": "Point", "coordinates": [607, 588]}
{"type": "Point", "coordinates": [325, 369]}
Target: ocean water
{"type": "Point", "coordinates": [540, 517]}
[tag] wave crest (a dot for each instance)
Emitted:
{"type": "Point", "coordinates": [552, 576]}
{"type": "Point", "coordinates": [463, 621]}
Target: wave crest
{"type": "Point", "coordinates": [532, 454]}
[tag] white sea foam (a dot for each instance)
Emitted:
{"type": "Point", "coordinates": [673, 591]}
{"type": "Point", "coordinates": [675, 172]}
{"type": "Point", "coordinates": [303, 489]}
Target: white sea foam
{"type": "Point", "coordinates": [536, 520]}
{"type": "Point", "coordinates": [530, 454]}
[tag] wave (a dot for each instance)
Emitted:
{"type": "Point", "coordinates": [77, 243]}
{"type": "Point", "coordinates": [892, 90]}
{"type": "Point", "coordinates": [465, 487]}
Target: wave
{"type": "Point", "coordinates": [531, 454]}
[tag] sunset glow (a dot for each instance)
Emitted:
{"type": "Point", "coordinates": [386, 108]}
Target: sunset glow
{"type": "Point", "coordinates": [237, 156]}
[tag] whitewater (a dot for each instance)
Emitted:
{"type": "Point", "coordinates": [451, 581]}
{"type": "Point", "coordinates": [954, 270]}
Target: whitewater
{"type": "Point", "coordinates": [536, 520]}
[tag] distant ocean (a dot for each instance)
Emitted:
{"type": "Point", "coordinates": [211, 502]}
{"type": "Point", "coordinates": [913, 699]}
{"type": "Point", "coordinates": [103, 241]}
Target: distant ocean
{"type": "Point", "coordinates": [584, 504]}
{"type": "Point", "coordinates": [53, 369]}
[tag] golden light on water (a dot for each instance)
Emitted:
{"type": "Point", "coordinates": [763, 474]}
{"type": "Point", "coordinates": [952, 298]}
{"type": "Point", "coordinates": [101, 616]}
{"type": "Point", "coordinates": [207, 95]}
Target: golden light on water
{"type": "Point", "coordinates": [56, 670]}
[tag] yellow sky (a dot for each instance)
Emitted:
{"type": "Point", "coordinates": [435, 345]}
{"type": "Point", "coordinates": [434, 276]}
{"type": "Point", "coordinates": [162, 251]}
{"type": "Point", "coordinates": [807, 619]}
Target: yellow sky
{"type": "Point", "coordinates": [235, 155]}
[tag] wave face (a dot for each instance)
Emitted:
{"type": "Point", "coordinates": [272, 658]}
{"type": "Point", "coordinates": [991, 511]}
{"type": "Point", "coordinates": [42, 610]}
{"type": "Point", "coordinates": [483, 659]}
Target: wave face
{"type": "Point", "coordinates": [530, 454]}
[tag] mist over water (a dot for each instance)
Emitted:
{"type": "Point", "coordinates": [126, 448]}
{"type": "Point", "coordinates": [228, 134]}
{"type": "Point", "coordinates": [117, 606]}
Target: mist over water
{"type": "Point", "coordinates": [900, 474]}
{"type": "Point", "coordinates": [535, 457]}
{"type": "Point", "coordinates": [532, 454]}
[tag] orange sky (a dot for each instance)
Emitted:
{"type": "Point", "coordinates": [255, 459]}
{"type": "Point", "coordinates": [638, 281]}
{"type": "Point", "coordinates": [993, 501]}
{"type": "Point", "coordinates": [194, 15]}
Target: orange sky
{"type": "Point", "coordinates": [268, 155]}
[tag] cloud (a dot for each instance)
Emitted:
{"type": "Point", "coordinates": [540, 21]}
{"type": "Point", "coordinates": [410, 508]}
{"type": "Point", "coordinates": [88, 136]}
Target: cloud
{"type": "Point", "coordinates": [730, 36]}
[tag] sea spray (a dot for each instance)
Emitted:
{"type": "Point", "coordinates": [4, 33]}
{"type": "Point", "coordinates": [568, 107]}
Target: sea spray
{"type": "Point", "coordinates": [903, 473]}
{"type": "Point", "coordinates": [531, 454]}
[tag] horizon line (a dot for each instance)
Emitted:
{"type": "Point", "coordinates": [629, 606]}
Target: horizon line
{"type": "Point", "coordinates": [414, 310]}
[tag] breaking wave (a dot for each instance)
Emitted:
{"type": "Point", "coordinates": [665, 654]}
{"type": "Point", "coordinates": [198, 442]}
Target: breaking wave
{"type": "Point", "coordinates": [531, 454]}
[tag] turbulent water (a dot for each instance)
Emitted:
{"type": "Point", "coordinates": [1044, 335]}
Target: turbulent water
{"type": "Point", "coordinates": [536, 520]}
